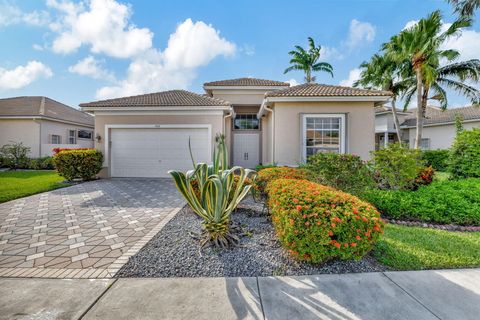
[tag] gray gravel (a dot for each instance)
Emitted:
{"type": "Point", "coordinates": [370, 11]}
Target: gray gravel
{"type": "Point", "coordinates": [173, 252]}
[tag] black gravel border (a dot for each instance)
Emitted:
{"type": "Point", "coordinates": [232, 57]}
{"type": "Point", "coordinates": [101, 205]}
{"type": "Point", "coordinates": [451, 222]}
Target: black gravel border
{"type": "Point", "coordinates": [173, 252]}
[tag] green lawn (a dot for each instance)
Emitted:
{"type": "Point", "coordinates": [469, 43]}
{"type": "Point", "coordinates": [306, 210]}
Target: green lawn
{"type": "Point", "coordinates": [17, 184]}
{"type": "Point", "coordinates": [412, 248]}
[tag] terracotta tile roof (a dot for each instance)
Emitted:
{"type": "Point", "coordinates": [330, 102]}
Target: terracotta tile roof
{"type": "Point", "coordinates": [160, 99]}
{"type": "Point", "coordinates": [43, 106]}
{"type": "Point", "coordinates": [323, 90]}
{"type": "Point", "coordinates": [435, 115]}
{"type": "Point", "coordinates": [246, 82]}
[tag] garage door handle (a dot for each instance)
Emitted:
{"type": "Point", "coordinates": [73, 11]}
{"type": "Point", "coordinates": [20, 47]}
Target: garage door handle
{"type": "Point", "coordinates": [159, 160]}
{"type": "Point", "coordinates": [245, 156]}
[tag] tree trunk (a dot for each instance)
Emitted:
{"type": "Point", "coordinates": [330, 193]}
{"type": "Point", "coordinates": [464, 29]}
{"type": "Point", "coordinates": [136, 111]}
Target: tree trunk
{"type": "Point", "coordinates": [418, 135]}
{"type": "Point", "coordinates": [395, 120]}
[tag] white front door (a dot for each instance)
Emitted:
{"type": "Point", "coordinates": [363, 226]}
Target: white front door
{"type": "Point", "coordinates": [151, 152]}
{"type": "Point", "coordinates": [246, 151]}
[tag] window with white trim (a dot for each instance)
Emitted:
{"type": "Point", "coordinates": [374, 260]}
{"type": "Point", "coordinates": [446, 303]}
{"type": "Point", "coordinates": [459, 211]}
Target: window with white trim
{"type": "Point", "coordinates": [85, 134]}
{"type": "Point", "coordinates": [323, 133]}
{"type": "Point", "coordinates": [246, 122]}
{"type": "Point", "coordinates": [72, 136]}
{"type": "Point", "coordinates": [55, 139]}
{"type": "Point", "coordinates": [425, 144]}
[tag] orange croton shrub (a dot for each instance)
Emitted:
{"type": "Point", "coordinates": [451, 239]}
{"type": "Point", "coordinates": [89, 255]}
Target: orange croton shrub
{"type": "Point", "coordinates": [270, 174]}
{"type": "Point", "coordinates": [317, 223]}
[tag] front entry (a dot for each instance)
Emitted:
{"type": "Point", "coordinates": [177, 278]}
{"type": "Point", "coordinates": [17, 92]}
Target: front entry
{"type": "Point", "coordinates": [246, 149]}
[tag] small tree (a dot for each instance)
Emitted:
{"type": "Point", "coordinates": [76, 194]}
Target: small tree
{"type": "Point", "coordinates": [14, 155]}
{"type": "Point", "coordinates": [465, 155]}
{"type": "Point", "coordinates": [458, 123]}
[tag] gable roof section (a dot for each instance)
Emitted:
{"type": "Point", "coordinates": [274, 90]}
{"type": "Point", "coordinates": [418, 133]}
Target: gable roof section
{"type": "Point", "coordinates": [246, 82]}
{"type": "Point", "coordinates": [37, 106]}
{"type": "Point", "coordinates": [435, 115]}
{"type": "Point", "coordinates": [323, 90]}
{"type": "Point", "coordinates": [172, 98]}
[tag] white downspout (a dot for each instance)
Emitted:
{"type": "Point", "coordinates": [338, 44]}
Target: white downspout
{"type": "Point", "coordinates": [230, 114]}
{"type": "Point", "coordinates": [273, 131]}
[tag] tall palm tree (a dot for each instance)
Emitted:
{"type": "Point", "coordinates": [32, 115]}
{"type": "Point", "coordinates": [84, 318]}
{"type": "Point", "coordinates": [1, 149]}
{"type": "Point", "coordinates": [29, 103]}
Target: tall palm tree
{"type": "Point", "coordinates": [382, 73]}
{"type": "Point", "coordinates": [307, 61]}
{"type": "Point", "coordinates": [418, 49]}
{"type": "Point", "coordinates": [451, 76]}
{"type": "Point", "coordinates": [465, 8]}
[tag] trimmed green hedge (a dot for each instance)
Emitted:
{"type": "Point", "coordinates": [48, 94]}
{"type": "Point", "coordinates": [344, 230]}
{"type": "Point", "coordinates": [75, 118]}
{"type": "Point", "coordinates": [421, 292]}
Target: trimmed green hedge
{"type": "Point", "coordinates": [456, 201]}
{"type": "Point", "coordinates": [74, 164]}
{"type": "Point", "coordinates": [437, 159]}
{"type": "Point", "coordinates": [465, 155]}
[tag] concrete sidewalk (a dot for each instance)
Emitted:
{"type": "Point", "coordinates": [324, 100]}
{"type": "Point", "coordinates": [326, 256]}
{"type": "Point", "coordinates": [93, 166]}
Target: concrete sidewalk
{"type": "Point", "coordinates": [446, 294]}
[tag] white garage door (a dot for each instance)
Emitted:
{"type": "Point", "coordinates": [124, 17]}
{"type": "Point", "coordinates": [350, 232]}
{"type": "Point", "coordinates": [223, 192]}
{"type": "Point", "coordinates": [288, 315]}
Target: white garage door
{"type": "Point", "coordinates": [152, 152]}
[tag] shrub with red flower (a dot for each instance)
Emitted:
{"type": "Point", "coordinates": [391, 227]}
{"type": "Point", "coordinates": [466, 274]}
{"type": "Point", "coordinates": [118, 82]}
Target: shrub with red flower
{"type": "Point", "coordinates": [425, 177]}
{"type": "Point", "coordinates": [270, 174]}
{"type": "Point", "coordinates": [331, 224]}
{"type": "Point", "coordinates": [57, 150]}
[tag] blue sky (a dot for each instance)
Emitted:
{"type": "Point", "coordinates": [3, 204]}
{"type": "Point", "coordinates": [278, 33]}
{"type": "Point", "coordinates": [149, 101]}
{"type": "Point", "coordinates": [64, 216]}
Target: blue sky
{"type": "Point", "coordinates": [82, 51]}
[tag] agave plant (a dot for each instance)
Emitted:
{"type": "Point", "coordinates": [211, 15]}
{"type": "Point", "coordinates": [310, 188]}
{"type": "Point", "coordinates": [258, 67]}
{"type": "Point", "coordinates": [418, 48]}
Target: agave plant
{"type": "Point", "coordinates": [213, 192]}
{"type": "Point", "coordinates": [219, 194]}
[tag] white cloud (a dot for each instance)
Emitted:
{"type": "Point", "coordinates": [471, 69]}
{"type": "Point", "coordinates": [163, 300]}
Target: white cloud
{"type": "Point", "coordinates": [22, 76]}
{"type": "Point", "coordinates": [293, 82]}
{"type": "Point", "coordinates": [248, 49]}
{"type": "Point", "coordinates": [101, 24]}
{"type": "Point", "coordinates": [11, 14]}
{"type": "Point", "coordinates": [467, 43]}
{"type": "Point", "coordinates": [353, 76]}
{"type": "Point", "coordinates": [410, 24]}
{"type": "Point", "coordinates": [359, 33]}
{"type": "Point", "coordinates": [37, 47]}
{"type": "Point", "coordinates": [93, 68]}
{"type": "Point", "coordinates": [327, 52]}
{"type": "Point", "coordinates": [192, 45]}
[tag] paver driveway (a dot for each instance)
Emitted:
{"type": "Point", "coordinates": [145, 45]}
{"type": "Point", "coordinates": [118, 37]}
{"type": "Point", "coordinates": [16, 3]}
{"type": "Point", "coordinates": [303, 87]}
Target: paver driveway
{"type": "Point", "coordinates": [84, 231]}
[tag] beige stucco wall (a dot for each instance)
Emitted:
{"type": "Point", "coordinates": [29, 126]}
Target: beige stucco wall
{"type": "Point", "coordinates": [441, 137]}
{"type": "Point", "coordinates": [246, 97]}
{"type": "Point", "coordinates": [58, 128]}
{"type": "Point", "coordinates": [215, 120]}
{"type": "Point", "coordinates": [25, 131]}
{"type": "Point", "coordinates": [360, 123]}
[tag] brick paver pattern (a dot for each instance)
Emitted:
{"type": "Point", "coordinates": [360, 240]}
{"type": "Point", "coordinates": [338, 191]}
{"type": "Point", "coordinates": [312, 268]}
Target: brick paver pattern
{"type": "Point", "coordinates": [85, 231]}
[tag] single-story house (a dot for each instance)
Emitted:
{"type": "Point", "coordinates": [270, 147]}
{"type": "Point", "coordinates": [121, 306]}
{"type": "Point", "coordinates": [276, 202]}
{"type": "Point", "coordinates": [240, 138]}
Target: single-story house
{"type": "Point", "coordinates": [264, 121]}
{"type": "Point", "coordinates": [43, 124]}
{"type": "Point", "coordinates": [438, 129]}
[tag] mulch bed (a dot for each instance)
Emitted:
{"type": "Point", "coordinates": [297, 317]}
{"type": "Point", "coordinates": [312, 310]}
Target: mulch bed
{"type": "Point", "coordinates": [173, 252]}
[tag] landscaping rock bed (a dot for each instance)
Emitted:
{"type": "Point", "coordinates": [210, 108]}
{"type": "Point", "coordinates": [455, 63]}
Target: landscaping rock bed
{"type": "Point", "coordinates": [173, 252]}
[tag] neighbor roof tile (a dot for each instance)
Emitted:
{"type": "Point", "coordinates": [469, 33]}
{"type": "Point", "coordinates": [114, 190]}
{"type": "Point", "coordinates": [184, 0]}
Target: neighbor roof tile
{"type": "Point", "coordinates": [246, 82]}
{"type": "Point", "coordinates": [436, 115]}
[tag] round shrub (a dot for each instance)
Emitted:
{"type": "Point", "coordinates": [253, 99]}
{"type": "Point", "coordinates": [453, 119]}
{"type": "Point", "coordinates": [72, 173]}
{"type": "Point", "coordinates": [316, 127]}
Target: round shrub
{"type": "Point", "coordinates": [83, 163]}
{"type": "Point", "coordinates": [269, 174]}
{"type": "Point", "coordinates": [465, 155]}
{"type": "Point", "coordinates": [437, 159]}
{"type": "Point", "coordinates": [346, 172]}
{"type": "Point", "coordinates": [317, 223]}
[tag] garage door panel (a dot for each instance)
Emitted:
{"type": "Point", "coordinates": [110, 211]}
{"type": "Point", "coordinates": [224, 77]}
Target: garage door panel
{"type": "Point", "coordinates": [152, 152]}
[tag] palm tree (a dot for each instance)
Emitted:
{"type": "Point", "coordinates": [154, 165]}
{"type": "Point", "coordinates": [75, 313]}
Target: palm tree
{"type": "Point", "coordinates": [382, 73]}
{"type": "Point", "coordinates": [451, 76]}
{"type": "Point", "coordinates": [418, 49]}
{"type": "Point", "coordinates": [307, 61]}
{"type": "Point", "coordinates": [465, 8]}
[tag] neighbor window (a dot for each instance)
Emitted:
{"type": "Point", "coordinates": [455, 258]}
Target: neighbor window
{"type": "Point", "coordinates": [72, 137]}
{"type": "Point", "coordinates": [425, 144]}
{"type": "Point", "coordinates": [85, 134]}
{"type": "Point", "coordinates": [246, 122]}
{"type": "Point", "coordinates": [56, 139]}
{"type": "Point", "coordinates": [323, 133]}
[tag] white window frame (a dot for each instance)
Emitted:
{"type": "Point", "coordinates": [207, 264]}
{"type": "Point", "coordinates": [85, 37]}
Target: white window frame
{"type": "Point", "coordinates": [254, 116]}
{"type": "Point", "coordinates": [74, 137]}
{"type": "Point", "coordinates": [54, 136]}
{"type": "Point", "coordinates": [342, 129]}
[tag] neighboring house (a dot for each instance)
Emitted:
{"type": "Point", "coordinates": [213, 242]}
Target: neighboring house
{"type": "Point", "coordinates": [439, 126]}
{"type": "Point", "coordinates": [438, 129]}
{"type": "Point", "coordinates": [43, 124]}
{"type": "Point", "coordinates": [385, 131]}
{"type": "Point", "coordinates": [264, 121]}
